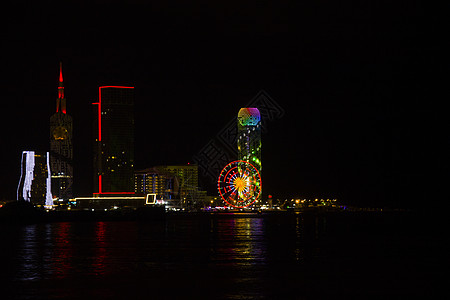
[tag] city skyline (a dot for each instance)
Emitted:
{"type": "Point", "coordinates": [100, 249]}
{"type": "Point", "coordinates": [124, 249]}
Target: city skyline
{"type": "Point", "coordinates": [362, 119]}
{"type": "Point", "coordinates": [352, 145]}
{"type": "Point", "coordinates": [314, 181]}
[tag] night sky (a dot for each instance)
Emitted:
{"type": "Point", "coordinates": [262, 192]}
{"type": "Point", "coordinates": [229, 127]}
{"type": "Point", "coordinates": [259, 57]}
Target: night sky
{"type": "Point", "coordinates": [360, 87]}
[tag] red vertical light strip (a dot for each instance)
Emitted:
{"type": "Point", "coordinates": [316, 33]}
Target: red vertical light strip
{"type": "Point", "coordinates": [60, 72]}
{"type": "Point", "coordinates": [100, 133]}
{"type": "Point", "coordinates": [99, 177]}
{"type": "Point", "coordinates": [61, 100]}
{"type": "Point", "coordinates": [100, 130]}
{"type": "Point", "coordinates": [100, 113]}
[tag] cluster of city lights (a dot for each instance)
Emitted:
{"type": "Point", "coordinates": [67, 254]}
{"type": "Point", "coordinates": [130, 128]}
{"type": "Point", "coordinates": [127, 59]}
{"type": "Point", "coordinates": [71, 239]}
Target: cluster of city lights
{"type": "Point", "coordinates": [310, 202]}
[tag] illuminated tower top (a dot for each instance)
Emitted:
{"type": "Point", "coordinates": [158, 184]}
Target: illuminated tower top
{"type": "Point", "coordinates": [61, 101]}
{"type": "Point", "coordinates": [249, 136]}
{"type": "Point", "coordinates": [249, 116]}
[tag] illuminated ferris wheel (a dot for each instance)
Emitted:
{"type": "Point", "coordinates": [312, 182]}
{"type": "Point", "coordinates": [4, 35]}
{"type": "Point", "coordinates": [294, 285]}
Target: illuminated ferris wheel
{"type": "Point", "coordinates": [239, 184]}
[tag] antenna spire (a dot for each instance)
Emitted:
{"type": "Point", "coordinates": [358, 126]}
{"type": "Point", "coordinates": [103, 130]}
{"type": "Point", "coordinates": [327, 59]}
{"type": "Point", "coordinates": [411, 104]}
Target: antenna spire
{"type": "Point", "coordinates": [60, 73]}
{"type": "Point", "coordinates": [61, 101]}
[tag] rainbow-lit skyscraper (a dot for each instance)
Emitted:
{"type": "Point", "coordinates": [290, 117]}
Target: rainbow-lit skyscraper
{"type": "Point", "coordinates": [249, 136]}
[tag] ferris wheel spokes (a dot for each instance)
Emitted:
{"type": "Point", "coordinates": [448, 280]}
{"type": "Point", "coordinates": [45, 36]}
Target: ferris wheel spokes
{"type": "Point", "coordinates": [239, 184]}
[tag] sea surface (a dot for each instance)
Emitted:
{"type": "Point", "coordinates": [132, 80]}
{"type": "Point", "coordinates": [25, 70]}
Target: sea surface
{"type": "Point", "coordinates": [225, 256]}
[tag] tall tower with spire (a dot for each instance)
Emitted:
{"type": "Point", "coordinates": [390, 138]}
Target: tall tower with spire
{"type": "Point", "coordinates": [61, 147]}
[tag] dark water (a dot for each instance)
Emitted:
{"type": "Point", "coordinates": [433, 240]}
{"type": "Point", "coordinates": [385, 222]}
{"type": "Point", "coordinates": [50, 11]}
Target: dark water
{"type": "Point", "coordinates": [290, 256]}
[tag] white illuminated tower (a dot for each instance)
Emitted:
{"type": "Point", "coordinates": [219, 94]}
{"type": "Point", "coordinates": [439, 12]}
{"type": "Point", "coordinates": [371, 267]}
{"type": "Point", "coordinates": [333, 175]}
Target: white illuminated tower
{"type": "Point", "coordinates": [61, 148]}
{"type": "Point", "coordinates": [35, 179]}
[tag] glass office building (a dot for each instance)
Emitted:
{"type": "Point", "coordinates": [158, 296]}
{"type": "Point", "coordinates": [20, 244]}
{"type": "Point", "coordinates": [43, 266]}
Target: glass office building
{"type": "Point", "coordinates": [114, 141]}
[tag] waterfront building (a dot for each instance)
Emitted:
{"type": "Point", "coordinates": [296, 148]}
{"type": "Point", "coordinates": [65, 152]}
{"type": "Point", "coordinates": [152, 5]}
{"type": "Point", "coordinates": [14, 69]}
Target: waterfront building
{"type": "Point", "coordinates": [185, 184]}
{"type": "Point", "coordinates": [35, 179]}
{"type": "Point", "coordinates": [61, 147]}
{"type": "Point", "coordinates": [154, 181]}
{"type": "Point", "coordinates": [239, 182]}
{"type": "Point", "coordinates": [249, 136]}
{"type": "Point", "coordinates": [114, 141]}
{"type": "Point", "coordinates": [170, 182]}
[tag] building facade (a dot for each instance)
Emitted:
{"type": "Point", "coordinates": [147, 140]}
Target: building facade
{"type": "Point", "coordinates": [185, 179]}
{"type": "Point", "coordinates": [61, 147]}
{"type": "Point", "coordinates": [114, 141]}
{"type": "Point", "coordinates": [153, 181]}
{"type": "Point", "coordinates": [249, 137]}
{"type": "Point", "coordinates": [35, 179]}
{"type": "Point", "coordinates": [171, 182]}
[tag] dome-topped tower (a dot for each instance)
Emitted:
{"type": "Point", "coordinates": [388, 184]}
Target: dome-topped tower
{"type": "Point", "coordinates": [249, 116]}
{"type": "Point", "coordinates": [249, 136]}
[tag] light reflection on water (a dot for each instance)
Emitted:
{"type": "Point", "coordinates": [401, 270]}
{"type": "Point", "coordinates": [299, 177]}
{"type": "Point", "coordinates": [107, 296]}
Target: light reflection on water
{"type": "Point", "coordinates": [170, 250]}
{"type": "Point", "coordinates": [230, 257]}
{"type": "Point", "coordinates": [298, 237]}
{"type": "Point", "coordinates": [239, 239]}
{"type": "Point", "coordinates": [28, 253]}
{"type": "Point", "coordinates": [98, 264]}
{"type": "Point", "coordinates": [37, 252]}
{"type": "Point", "coordinates": [61, 260]}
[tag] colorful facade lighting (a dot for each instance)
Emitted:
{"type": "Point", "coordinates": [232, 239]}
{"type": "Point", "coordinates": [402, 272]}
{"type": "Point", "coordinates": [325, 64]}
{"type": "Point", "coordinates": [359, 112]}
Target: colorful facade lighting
{"type": "Point", "coordinates": [239, 184]}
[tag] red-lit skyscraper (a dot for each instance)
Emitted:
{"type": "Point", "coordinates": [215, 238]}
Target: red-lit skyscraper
{"type": "Point", "coordinates": [61, 147]}
{"type": "Point", "coordinates": [114, 141]}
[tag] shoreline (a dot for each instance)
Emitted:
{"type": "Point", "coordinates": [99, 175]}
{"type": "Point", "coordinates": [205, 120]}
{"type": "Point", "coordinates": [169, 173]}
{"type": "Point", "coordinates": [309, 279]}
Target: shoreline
{"type": "Point", "coordinates": [158, 213]}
